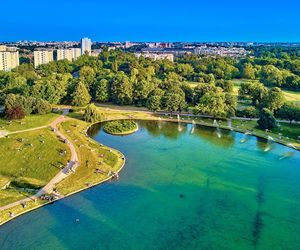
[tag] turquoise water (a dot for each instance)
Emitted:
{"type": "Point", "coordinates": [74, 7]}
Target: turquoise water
{"type": "Point", "coordinates": [182, 188]}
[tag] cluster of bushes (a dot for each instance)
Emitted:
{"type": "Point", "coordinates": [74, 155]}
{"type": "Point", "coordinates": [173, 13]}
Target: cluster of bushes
{"type": "Point", "coordinates": [18, 106]}
{"type": "Point", "coordinates": [120, 127]}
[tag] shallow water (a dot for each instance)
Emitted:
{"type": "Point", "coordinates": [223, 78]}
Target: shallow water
{"type": "Point", "coordinates": [182, 188]}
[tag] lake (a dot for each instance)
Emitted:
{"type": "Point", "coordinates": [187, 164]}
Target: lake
{"type": "Point", "coordinates": [183, 187]}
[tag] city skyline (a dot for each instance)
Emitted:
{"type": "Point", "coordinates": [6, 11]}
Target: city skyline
{"type": "Point", "coordinates": [191, 21]}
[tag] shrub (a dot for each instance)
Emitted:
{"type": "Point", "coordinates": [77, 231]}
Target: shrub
{"type": "Point", "coordinates": [14, 113]}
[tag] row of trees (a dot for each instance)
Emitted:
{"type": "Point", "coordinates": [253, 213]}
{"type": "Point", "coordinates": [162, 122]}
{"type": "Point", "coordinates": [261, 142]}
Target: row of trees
{"type": "Point", "coordinates": [124, 79]}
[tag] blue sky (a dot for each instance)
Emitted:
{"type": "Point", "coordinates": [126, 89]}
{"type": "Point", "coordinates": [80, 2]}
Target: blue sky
{"type": "Point", "coordinates": [154, 20]}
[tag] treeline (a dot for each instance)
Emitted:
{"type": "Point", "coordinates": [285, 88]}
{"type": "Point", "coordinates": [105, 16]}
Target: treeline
{"type": "Point", "coordinates": [283, 72]}
{"type": "Point", "coordinates": [124, 79]}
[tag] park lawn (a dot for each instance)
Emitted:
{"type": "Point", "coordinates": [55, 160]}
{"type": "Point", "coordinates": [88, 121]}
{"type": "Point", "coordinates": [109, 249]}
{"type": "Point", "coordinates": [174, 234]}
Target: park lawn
{"type": "Point", "coordinates": [91, 156]}
{"type": "Point", "coordinates": [8, 196]}
{"type": "Point", "coordinates": [290, 96]}
{"type": "Point", "coordinates": [290, 132]}
{"type": "Point", "coordinates": [28, 162]}
{"type": "Point", "coordinates": [30, 121]}
{"type": "Point", "coordinates": [193, 84]}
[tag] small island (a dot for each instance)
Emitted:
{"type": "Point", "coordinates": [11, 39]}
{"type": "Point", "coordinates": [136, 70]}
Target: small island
{"type": "Point", "coordinates": [120, 127]}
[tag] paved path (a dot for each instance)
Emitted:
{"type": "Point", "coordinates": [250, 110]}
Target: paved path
{"type": "Point", "coordinates": [71, 166]}
{"type": "Point", "coordinates": [187, 114]}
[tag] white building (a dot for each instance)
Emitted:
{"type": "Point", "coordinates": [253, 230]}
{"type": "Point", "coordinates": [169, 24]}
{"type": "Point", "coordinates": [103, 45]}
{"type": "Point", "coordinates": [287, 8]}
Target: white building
{"type": "Point", "coordinates": [9, 58]}
{"type": "Point", "coordinates": [156, 56]}
{"type": "Point", "coordinates": [42, 57]}
{"type": "Point", "coordinates": [86, 46]}
{"type": "Point", "coordinates": [69, 54]}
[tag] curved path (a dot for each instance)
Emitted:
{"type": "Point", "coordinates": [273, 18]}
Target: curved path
{"type": "Point", "coordinates": [62, 174]}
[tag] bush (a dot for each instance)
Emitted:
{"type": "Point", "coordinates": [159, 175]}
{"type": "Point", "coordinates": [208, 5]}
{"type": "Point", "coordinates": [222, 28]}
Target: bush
{"type": "Point", "coordinates": [120, 127]}
{"type": "Point", "coordinates": [14, 113]}
{"type": "Point", "coordinates": [41, 107]}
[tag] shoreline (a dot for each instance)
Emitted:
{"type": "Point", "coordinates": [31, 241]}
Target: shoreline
{"type": "Point", "coordinates": [123, 158]}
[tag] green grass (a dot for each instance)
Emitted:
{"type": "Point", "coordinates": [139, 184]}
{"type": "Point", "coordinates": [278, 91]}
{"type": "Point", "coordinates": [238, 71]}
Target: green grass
{"type": "Point", "coordinates": [30, 121]}
{"type": "Point", "coordinates": [28, 162]}
{"type": "Point", "coordinates": [91, 155]}
{"type": "Point", "coordinates": [290, 96]}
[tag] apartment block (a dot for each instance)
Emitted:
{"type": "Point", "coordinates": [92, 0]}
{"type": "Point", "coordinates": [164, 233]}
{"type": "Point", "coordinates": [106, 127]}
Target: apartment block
{"type": "Point", "coordinates": [69, 54]}
{"type": "Point", "coordinates": [42, 57]}
{"type": "Point", "coordinates": [9, 58]}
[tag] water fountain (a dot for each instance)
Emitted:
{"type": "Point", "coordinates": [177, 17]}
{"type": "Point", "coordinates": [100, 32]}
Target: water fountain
{"type": "Point", "coordinates": [219, 134]}
{"type": "Point", "coordinates": [159, 122]}
{"type": "Point", "coordinates": [230, 124]}
{"type": "Point", "coordinates": [178, 117]}
{"type": "Point", "coordinates": [193, 127]}
{"type": "Point", "coordinates": [179, 127]}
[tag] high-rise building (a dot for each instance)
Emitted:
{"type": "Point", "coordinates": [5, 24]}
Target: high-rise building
{"type": "Point", "coordinates": [42, 57]}
{"type": "Point", "coordinates": [86, 46]}
{"type": "Point", "coordinates": [9, 58]}
{"type": "Point", "coordinates": [69, 54]}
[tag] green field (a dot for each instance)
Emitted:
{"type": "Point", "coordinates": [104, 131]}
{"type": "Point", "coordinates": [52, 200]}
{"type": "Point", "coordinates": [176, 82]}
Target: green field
{"type": "Point", "coordinates": [290, 96]}
{"type": "Point", "coordinates": [92, 156]}
{"type": "Point", "coordinates": [29, 160]}
{"type": "Point", "coordinates": [30, 121]}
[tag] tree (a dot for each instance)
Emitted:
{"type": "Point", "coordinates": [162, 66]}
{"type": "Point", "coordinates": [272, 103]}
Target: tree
{"type": "Point", "coordinates": [266, 119]}
{"type": "Point", "coordinates": [250, 112]}
{"type": "Point", "coordinates": [274, 99]}
{"type": "Point", "coordinates": [81, 96]}
{"type": "Point", "coordinates": [184, 70]}
{"type": "Point", "coordinates": [226, 85]}
{"type": "Point", "coordinates": [174, 100]}
{"type": "Point", "coordinates": [102, 91]}
{"type": "Point", "coordinates": [289, 111]}
{"type": "Point", "coordinates": [154, 103]}
{"type": "Point", "coordinates": [201, 89]}
{"type": "Point", "coordinates": [121, 89]}
{"type": "Point", "coordinates": [255, 91]}
{"type": "Point", "coordinates": [52, 88]}
{"type": "Point", "coordinates": [271, 76]}
{"type": "Point", "coordinates": [230, 104]}
{"type": "Point", "coordinates": [41, 107]}
{"type": "Point", "coordinates": [87, 76]}
{"type": "Point", "coordinates": [248, 71]}
{"type": "Point", "coordinates": [92, 114]}
{"type": "Point", "coordinates": [212, 103]}
{"type": "Point", "coordinates": [141, 90]}
{"type": "Point", "coordinates": [14, 113]}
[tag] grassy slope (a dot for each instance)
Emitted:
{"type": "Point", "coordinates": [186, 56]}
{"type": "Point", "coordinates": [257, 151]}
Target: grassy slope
{"type": "Point", "coordinates": [28, 122]}
{"type": "Point", "coordinates": [92, 156]}
{"type": "Point", "coordinates": [20, 161]}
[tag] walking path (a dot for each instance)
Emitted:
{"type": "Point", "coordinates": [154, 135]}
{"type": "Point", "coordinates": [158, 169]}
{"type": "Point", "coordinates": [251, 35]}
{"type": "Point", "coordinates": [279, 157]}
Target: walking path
{"type": "Point", "coordinates": [137, 109]}
{"type": "Point", "coordinates": [71, 166]}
